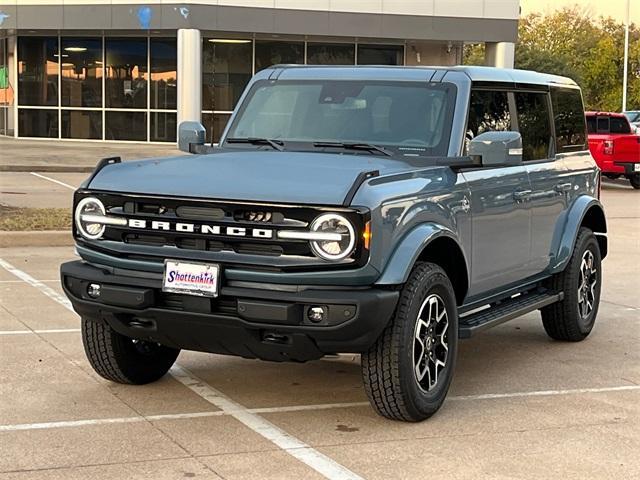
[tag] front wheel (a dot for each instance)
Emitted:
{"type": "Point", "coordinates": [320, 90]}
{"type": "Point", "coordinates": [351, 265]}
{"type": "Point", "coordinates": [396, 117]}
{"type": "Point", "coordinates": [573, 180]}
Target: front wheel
{"type": "Point", "coordinates": [573, 318]}
{"type": "Point", "coordinates": [122, 359]}
{"type": "Point", "coordinates": [407, 372]}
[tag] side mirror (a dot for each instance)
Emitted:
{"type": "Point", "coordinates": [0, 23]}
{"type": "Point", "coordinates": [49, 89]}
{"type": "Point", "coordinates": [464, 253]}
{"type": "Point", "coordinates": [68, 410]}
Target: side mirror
{"type": "Point", "coordinates": [190, 133]}
{"type": "Point", "coordinates": [497, 149]}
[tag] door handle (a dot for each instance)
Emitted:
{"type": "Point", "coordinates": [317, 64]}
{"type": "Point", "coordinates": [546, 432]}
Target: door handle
{"type": "Point", "coordinates": [563, 187]}
{"type": "Point", "coordinates": [520, 195]}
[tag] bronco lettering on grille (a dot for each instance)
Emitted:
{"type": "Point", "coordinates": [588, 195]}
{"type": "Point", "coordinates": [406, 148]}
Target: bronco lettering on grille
{"type": "Point", "coordinates": [204, 229]}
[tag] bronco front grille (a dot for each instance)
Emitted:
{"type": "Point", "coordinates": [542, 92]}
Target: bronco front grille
{"type": "Point", "coordinates": [215, 226]}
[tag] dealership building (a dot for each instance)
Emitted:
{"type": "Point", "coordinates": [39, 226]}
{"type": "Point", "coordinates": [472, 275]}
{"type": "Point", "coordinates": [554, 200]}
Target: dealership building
{"type": "Point", "coordinates": [126, 70]}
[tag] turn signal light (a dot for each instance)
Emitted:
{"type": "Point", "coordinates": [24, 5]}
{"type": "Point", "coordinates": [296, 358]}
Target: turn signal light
{"type": "Point", "coordinates": [366, 235]}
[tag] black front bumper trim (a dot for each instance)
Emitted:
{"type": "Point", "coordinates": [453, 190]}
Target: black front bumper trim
{"type": "Point", "coordinates": [249, 322]}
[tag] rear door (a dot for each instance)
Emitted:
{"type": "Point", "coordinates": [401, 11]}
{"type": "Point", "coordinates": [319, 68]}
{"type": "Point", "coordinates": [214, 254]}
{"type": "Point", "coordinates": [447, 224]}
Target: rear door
{"type": "Point", "coordinates": [550, 180]}
{"type": "Point", "coordinates": [501, 232]}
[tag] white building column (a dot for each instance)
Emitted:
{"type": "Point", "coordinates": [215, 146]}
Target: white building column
{"type": "Point", "coordinates": [500, 54]}
{"type": "Point", "coordinates": [189, 75]}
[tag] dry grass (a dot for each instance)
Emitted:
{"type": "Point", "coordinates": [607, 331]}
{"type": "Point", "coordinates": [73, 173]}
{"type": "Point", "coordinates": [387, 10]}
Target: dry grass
{"type": "Point", "coordinates": [15, 219]}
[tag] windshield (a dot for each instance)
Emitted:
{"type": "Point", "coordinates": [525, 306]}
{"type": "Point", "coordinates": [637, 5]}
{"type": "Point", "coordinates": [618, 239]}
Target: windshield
{"type": "Point", "coordinates": [410, 118]}
{"type": "Point", "coordinates": [633, 116]}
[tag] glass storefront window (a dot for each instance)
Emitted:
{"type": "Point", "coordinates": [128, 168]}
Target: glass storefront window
{"type": "Point", "coordinates": [163, 127]}
{"type": "Point", "coordinates": [272, 53]}
{"type": "Point", "coordinates": [126, 73]}
{"type": "Point", "coordinates": [331, 53]}
{"type": "Point", "coordinates": [214, 124]}
{"type": "Point", "coordinates": [82, 124]}
{"type": "Point", "coordinates": [126, 126]}
{"type": "Point", "coordinates": [38, 71]}
{"type": "Point", "coordinates": [164, 73]}
{"type": "Point", "coordinates": [380, 54]}
{"type": "Point", "coordinates": [81, 69]}
{"type": "Point", "coordinates": [38, 123]}
{"type": "Point", "coordinates": [226, 70]}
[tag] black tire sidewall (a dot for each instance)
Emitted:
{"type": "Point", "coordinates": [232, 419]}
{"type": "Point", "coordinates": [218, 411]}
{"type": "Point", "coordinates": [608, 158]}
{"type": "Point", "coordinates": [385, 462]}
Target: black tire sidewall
{"type": "Point", "coordinates": [419, 402]}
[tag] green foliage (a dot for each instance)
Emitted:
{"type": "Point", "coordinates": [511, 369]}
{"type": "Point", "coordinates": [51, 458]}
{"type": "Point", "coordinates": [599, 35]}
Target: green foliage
{"type": "Point", "coordinates": [571, 43]}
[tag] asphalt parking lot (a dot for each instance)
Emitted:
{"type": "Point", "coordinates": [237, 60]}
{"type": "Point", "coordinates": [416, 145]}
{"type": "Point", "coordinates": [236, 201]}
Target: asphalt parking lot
{"type": "Point", "coordinates": [521, 405]}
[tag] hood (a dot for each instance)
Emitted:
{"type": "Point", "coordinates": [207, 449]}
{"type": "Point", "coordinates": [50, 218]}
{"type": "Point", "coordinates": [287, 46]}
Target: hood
{"type": "Point", "coordinates": [260, 176]}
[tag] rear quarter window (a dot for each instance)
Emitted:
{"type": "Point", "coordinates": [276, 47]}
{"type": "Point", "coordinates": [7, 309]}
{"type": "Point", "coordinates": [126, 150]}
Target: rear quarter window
{"type": "Point", "coordinates": [569, 120]}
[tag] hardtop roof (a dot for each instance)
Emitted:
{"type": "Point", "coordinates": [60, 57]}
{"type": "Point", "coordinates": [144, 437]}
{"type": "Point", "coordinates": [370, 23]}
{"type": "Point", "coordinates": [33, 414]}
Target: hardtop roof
{"type": "Point", "coordinates": [385, 72]}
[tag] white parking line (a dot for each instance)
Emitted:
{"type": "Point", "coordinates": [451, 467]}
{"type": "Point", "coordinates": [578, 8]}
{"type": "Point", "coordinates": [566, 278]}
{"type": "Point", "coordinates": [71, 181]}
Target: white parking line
{"type": "Point", "coordinates": [45, 331]}
{"type": "Point", "coordinates": [290, 444]}
{"type": "Point", "coordinates": [545, 393]}
{"type": "Point", "coordinates": [25, 277]}
{"type": "Point", "coordinates": [169, 416]}
{"type": "Point", "coordinates": [44, 177]}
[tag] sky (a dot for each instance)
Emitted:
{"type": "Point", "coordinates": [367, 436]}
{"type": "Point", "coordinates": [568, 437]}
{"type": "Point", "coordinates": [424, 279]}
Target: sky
{"type": "Point", "coordinates": [607, 8]}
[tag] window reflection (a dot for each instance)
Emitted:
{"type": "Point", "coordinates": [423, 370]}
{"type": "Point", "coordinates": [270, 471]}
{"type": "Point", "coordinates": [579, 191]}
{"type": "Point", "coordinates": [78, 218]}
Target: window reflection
{"type": "Point", "coordinates": [81, 72]}
{"type": "Point", "coordinates": [380, 54]}
{"type": "Point", "coordinates": [38, 123]}
{"type": "Point", "coordinates": [272, 53]}
{"type": "Point", "coordinates": [82, 124]}
{"type": "Point", "coordinates": [163, 127]}
{"type": "Point", "coordinates": [38, 70]}
{"type": "Point", "coordinates": [126, 73]}
{"type": "Point", "coordinates": [163, 73]}
{"type": "Point", "coordinates": [331, 53]}
{"type": "Point", "coordinates": [214, 124]}
{"type": "Point", "coordinates": [226, 70]}
{"type": "Point", "coordinates": [126, 126]}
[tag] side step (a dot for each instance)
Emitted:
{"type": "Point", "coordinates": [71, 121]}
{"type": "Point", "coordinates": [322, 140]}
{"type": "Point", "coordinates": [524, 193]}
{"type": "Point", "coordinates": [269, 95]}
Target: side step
{"type": "Point", "coordinates": [506, 310]}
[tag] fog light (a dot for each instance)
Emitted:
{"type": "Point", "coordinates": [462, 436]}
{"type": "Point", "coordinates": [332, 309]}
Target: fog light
{"type": "Point", "coordinates": [93, 290]}
{"type": "Point", "coordinates": [316, 314]}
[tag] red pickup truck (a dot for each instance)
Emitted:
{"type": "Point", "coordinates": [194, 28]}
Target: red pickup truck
{"type": "Point", "coordinates": [614, 146]}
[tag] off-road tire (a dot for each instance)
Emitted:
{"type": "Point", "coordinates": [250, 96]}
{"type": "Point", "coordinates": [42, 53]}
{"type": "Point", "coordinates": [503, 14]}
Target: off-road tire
{"type": "Point", "coordinates": [388, 366]}
{"type": "Point", "coordinates": [562, 320]}
{"type": "Point", "coordinates": [117, 358]}
{"type": "Point", "coordinates": [635, 181]}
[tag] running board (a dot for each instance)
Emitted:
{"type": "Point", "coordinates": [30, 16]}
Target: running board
{"type": "Point", "coordinates": [505, 311]}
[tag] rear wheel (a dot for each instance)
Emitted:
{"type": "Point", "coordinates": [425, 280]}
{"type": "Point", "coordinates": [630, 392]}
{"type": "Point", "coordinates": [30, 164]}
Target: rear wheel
{"type": "Point", "coordinates": [573, 318]}
{"type": "Point", "coordinates": [122, 359]}
{"type": "Point", "coordinates": [407, 372]}
{"type": "Point", "coordinates": [635, 181]}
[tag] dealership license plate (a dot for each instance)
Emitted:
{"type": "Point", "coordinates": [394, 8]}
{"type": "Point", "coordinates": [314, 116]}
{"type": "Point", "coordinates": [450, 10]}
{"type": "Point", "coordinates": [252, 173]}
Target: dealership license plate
{"type": "Point", "coordinates": [201, 279]}
{"type": "Point", "coordinates": [636, 167]}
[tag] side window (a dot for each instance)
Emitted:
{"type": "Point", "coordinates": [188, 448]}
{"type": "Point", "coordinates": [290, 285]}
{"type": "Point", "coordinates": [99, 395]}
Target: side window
{"type": "Point", "coordinates": [488, 111]}
{"type": "Point", "coordinates": [602, 125]}
{"type": "Point", "coordinates": [568, 116]}
{"type": "Point", "coordinates": [591, 124]}
{"type": "Point", "coordinates": [533, 123]}
{"type": "Point", "coordinates": [619, 125]}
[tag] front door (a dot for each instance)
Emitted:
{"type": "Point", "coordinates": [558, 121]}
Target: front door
{"type": "Point", "coordinates": [501, 233]}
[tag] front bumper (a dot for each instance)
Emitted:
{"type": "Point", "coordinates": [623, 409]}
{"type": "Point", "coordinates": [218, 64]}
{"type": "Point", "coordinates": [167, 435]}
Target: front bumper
{"type": "Point", "coordinates": [270, 324]}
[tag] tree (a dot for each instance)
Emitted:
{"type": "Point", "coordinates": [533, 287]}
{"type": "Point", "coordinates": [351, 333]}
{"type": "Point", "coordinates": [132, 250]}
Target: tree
{"type": "Point", "coordinates": [569, 42]}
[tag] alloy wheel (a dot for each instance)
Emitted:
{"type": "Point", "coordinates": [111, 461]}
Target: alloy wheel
{"type": "Point", "coordinates": [430, 342]}
{"type": "Point", "coordinates": [587, 284]}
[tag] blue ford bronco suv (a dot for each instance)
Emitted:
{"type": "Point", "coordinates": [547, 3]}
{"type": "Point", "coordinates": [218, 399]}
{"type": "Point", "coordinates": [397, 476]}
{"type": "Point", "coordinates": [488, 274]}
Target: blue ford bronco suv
{"type": "Point", "coordinates": [385, 211]}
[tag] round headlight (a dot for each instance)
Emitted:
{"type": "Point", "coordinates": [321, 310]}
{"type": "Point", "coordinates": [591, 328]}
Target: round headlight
{"type": "Point", "coordinates": [333, 249]}
{"type": "Point", "coordinates": [89, 206]}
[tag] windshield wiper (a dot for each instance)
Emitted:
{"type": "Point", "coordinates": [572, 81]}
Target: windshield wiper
{"type": "Point", "coordinates": [276, 144]}
{"type": "Point", "coordinates": [368, 147]}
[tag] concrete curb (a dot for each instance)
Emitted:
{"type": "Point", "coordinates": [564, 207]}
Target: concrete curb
{"type": "Point", "coordinates": [52, 238]}
{"type": "Point", "coordinates": [47, 168]}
